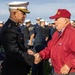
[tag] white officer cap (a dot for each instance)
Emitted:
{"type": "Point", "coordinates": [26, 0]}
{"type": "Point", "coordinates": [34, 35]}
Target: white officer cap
{"type": "Point", "coordinates": [1, 21]}
{"type": "Point", "coordinates": [19, 6]}
{"type": "Point", "coordinates": [38, 18]}
{"type": "Point", "coordinates": [28, 20]}
{"type": "Point", "coordinates": [42, 20]}
{"type": "Point", "coordinates": [71, 21]}
{"type": "Point", "coordinates": [46, 22]}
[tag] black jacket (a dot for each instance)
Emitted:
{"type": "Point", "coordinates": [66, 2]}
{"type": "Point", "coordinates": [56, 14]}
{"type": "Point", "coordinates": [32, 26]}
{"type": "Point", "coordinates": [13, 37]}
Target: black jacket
{"type": "Point", "coordinates": [16, 60]}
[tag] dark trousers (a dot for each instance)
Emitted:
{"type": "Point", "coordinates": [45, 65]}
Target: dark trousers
{"type": "Point", "coordinates": [38, 69]}
{"type": "Point", "coordinates": [65, 74]}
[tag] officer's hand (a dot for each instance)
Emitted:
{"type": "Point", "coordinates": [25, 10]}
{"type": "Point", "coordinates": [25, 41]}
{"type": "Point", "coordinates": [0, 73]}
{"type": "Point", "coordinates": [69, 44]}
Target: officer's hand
{"type": "Point", "coordinates": [65, 69]}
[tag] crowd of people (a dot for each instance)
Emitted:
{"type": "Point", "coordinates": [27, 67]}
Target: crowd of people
{"type": "Point", "coordinates": [26, 45]}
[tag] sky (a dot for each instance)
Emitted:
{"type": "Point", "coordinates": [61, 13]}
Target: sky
{"type": "Point", "coordinates": [40, 8]}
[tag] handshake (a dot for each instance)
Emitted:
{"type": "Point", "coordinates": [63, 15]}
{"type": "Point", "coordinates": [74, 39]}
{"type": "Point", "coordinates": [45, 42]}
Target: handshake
{"type": "Point", "coordinates": [36, 55]}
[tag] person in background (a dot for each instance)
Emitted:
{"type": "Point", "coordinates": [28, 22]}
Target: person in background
{"type": "Point", "coordinates": [41, 37]}
{"type": "Point", "coordinates": [1, 24]}
{"type": "Point", "coordinates": [45, 31]}
{"type": "Point", "coordinates": [52, 29]}
{"type": "Point", "coordinates": [2, 53]}
{"type": "Point", "coordinates": [61, 48]}
{"type": "Point", "coordinates": [17, 60]}
{"type": "Point", "coordinates": [49, 26]}
{"type": "Point", "coordinates": [36, 26]}
{"type": "Point", "coordinates": [28, 32]}
{"type": "Point", "coordinates": [38, 21]}
{"type": "Point", "coordinates": [73, 23]}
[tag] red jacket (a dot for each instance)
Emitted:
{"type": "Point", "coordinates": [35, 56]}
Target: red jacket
{"type": "Point", "coordinates": [61, 49]}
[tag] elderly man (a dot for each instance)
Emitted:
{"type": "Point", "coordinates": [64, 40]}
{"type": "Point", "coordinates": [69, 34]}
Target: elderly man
{"type": "Point", "coordinates": [61, 48]}
{"type": "Point", "coordinates": [17, 60]}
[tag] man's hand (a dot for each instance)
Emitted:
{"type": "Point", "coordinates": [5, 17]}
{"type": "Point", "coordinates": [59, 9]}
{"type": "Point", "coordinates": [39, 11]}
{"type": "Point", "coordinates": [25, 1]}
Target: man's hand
{"type": "Point", "coordinates": [65, 69]}
{"type": "Point", "coordinates": [37, 58]}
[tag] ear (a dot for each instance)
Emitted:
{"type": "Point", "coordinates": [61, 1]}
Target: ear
{"type": "Point", "coordinates": [65, 21]}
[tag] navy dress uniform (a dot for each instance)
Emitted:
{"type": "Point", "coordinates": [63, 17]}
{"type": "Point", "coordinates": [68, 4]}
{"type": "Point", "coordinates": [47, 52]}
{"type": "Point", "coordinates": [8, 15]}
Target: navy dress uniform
{"type": "Point", "coordinates": [17, 61]}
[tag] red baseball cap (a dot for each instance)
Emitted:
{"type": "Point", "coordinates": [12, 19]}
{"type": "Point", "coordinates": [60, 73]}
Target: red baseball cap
{"type": "Point", "coordinates": [61, 13]}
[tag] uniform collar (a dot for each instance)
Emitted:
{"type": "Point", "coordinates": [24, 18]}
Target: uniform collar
{"type": "Point", "coordinates": [12, 22]}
